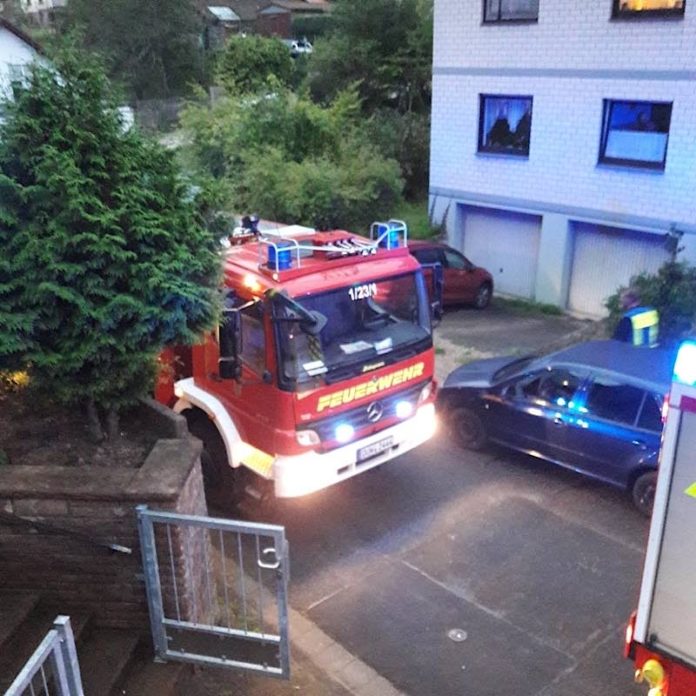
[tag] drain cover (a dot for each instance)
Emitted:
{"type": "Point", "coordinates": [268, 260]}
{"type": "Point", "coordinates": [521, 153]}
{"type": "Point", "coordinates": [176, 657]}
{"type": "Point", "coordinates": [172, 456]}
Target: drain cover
{"type": "Point", "coordinates": [457, 635]}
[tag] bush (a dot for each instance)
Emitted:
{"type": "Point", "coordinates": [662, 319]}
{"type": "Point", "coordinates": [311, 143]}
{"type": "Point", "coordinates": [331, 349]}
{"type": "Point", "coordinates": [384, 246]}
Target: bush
{"type": "Point", "coordinates": [672, 291]}
{"type": "Point", "coordinates": [291, 160]}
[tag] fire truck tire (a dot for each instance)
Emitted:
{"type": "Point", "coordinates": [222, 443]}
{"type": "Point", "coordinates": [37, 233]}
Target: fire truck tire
{"type": "Point", "coordinates": [468, 429]}
{"type": "Point", "coordinates": [219, 478]}
{"type": "Point", "coordinates": [643, 492]}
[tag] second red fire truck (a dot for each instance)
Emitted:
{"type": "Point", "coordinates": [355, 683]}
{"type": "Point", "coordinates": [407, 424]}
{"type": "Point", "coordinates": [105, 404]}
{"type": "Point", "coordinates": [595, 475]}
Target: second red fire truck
{"type": "Point", "coordinates": [322, 367]}
{"type": "Point", "coordinates": [661, 636]}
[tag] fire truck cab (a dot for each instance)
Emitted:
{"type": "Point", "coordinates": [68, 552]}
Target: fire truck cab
{"type": "Point", "coordinates": [322, 366]}
{"type": "Point", "coordinates": [661, 635]}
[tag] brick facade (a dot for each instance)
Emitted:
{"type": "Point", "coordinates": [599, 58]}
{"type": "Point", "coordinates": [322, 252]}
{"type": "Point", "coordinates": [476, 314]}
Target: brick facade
{"type": "Point", "coordinates": [77, 576]}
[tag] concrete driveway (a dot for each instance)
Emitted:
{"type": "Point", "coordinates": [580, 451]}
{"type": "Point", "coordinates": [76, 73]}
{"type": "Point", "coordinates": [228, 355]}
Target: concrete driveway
{"type": "Point", "coordinates": [467, 334]}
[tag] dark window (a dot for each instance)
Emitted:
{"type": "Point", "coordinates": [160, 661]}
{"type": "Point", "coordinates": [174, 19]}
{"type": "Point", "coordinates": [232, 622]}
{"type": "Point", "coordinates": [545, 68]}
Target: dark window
{"type": "Point", "coordinates": [651, 414]}
{"type": "Point", "coordinates": [505, 124]}
{"type": "Point", "coordinates": [555, 386]}
{"type": "Point", "coordinates": [428, 255]}
{"type": "Point", "coordinates": [510, 10]}
{"type": "Point", "coordinates": [648, 8]}
{"type": "Point", "coordinates": [253, 348]}
{"type": "Point", "coordinates": [635, 133]}
{"type": "Point", "coordinates": [614, 401]}
{"type": "Point", "coordinates": [455, 260]}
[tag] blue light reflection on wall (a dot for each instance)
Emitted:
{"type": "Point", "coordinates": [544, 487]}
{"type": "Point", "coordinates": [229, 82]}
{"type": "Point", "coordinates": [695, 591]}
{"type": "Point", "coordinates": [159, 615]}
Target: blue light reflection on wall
{"type": "Point", "coordinates": [685, 365]}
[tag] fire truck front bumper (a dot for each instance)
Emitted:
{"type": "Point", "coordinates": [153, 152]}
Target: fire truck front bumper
{"type": "Point", "coordinates": [301, 474]}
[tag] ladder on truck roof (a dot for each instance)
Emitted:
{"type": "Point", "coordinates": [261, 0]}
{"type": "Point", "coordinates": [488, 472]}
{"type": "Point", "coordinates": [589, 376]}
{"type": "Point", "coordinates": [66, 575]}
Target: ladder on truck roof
{"type": "Point", "coordinates": [283, 246]}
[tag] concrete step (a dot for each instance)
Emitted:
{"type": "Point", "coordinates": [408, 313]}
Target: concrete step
{"type": "Point", "coordinates": [26, 638]}
{"type": "Point", "coordinates": [104, 659]}
{"type": "Point", "coordinates": [15, 608]}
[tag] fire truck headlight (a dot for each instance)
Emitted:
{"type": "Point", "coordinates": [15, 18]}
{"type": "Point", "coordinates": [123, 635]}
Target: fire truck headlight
{"type": "Point", "coordinates": [307, 438]}
{"type": "Point", "coordinates": [404, 409]}
{"type": "Point", "coordinates": [344, 433]}
{"type": "Point", "coordinates": [426, 420]}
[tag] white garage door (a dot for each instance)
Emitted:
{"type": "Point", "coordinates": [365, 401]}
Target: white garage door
{"type": "Point", "coordinates": [605, 258]}
{"type": "Point", "coordinates": [505, 243]}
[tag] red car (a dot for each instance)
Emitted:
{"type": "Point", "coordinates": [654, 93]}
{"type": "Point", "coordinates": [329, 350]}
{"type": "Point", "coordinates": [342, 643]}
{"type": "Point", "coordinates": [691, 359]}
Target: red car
{"type": "Point", "coordinates": [463, 282]}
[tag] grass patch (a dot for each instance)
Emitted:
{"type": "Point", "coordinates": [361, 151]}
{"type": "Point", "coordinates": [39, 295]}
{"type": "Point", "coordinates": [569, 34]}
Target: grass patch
{"type": "Point", "coordinates": [529, 307]}
{"type": "Point", "coordinates": [415, 215]}
{"type": "Point", "coordinates": [440, 351]}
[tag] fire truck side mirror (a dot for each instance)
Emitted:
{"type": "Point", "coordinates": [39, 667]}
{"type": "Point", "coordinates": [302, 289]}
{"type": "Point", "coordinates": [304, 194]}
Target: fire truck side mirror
{"type": "Point", "coordinates": [229, 366]}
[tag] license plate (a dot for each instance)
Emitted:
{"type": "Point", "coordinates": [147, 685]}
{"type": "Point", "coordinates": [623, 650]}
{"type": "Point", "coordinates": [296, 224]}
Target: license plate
{"type": "Point", "coordinates": [375, 448]}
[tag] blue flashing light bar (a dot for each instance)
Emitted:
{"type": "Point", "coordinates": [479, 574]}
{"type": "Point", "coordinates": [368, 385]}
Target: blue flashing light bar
{"type": "Point", "coordinates": [685, 364]}
{"type": "Point", "coordinates": [280, 256]}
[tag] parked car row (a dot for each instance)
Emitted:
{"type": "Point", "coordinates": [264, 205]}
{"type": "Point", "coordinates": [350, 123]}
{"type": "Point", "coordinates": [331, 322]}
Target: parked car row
{"type": "Point", "coordinates": [595, 407]}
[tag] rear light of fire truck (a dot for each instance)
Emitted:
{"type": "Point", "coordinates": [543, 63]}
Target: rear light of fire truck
{"type": "Point", "coordinates": [628, 637]}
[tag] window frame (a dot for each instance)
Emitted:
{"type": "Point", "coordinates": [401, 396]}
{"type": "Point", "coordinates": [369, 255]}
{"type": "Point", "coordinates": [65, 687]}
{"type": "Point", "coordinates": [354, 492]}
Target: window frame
{"type": "Point", "coordinates": [618, 13]}
{"type": "Point", "coordinates": [514, 20]}
{"type": "Point", "coordinates": [482, 148]}
{"type": "Point", "coordinates": [653, 165]}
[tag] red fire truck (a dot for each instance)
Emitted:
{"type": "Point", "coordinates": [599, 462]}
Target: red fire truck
{"type": "Point", "coordinates": [322, 367]}
{"type": "Point", "coordinates": [661, 635]}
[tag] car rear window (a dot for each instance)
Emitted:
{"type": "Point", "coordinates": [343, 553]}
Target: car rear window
{"type": "Point", "coordinates": [614, 401]}
{"type": "Point", "coordinates": [427, 255]}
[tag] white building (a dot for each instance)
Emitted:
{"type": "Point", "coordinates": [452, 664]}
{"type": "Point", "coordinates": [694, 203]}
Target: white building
{"type": "Point", "coordinates": [564, 140]}
{"type": "Point", "coordinates": [17, 51]}
{"type": "Point", "coordinates": [43, 12]}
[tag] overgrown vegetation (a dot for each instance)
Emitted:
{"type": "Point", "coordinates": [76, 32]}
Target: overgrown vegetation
{"type": "Point", "coordinates": [292, 160]}
{"type": "Point", "coordinates": [672, 291]}
{"type": "Point", "coordinates": [104, 261]}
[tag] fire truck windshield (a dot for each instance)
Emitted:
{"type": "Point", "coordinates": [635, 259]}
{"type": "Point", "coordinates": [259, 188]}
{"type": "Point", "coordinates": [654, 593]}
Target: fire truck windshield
{"type": "Point", "coordinates": [367, 325]}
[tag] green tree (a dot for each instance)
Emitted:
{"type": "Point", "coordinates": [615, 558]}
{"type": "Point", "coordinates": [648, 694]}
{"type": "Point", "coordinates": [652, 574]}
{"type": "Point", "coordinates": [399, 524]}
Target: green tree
{"type": "Point", "coordinates": [252, 64]}
{"type": "Point", "coordinates": [151, 47]}
{"type": "Point", "coordinates": [104, 259]}
{"type": "Point", "coordinates": [290, 159]}
{"type": "Point", "coordinates": [384, 45]}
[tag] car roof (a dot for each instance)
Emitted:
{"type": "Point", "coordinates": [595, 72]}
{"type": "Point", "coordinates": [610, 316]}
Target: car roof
{"type": "Point", "coordinates": [651, 366]}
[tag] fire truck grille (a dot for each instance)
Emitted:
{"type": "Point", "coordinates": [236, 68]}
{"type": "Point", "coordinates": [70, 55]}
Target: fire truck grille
{"type": "Point", "coordinates": [375, 415]}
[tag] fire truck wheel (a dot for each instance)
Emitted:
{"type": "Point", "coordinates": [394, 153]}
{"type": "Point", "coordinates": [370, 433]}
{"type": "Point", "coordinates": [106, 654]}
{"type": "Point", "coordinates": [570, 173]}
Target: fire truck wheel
{"type": "Point", "coordinates": [219, 479]}
{"type": "Point", "coordinates": [468, 428]}
{"type": "Point", "coordinates": [643, 492]}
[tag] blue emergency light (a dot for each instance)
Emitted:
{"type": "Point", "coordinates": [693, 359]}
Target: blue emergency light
{"type": "Point", "coordinates": [388, 234]}
{"type": "Point", "coordinates": [280, 256]}
{"type": "Point", "coordinates": [685, 364]}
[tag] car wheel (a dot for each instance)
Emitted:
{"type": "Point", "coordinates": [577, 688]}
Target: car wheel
{"type": "Point", "coordinates": [483, 296]}
{"type": "Point", "coordinates": [468, 429]}
{"type": "Point", "coordinates": [643, 492]}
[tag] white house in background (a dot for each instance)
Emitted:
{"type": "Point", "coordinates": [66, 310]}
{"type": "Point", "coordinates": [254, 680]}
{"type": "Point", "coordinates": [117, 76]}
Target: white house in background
{"type": "Point", "coordinates": [563, 146]}
{"type": "Point", "coordinates": [43, 12]}
{"type": "Point", "coordinates": [17, 52]}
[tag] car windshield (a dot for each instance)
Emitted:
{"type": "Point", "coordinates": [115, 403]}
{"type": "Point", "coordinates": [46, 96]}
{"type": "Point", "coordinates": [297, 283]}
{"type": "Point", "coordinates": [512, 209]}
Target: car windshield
{"type": "Point", "coordinates": [366, 326]}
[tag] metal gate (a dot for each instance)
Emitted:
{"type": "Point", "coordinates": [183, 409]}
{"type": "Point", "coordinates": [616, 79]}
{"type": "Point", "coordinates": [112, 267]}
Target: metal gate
{"type": "Point", "coordinates": [217, 591]}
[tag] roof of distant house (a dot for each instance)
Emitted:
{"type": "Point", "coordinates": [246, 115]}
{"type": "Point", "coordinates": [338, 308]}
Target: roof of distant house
{"type": "Point", "coordinates": [223, 13]}
{"type": "Point", "coordinates": [6, 24]}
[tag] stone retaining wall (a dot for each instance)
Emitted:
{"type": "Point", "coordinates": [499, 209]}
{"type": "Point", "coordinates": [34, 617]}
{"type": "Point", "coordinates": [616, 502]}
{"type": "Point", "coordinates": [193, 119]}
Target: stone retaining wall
{"type": "Point", "coordinates": [78, 576]}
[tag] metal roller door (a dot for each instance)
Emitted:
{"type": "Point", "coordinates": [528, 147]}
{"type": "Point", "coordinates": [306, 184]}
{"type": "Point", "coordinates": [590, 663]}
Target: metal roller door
{"type": "Point", "coordinates": [506, 244]}
{"type": "Point", "coordinates": [605, 258]}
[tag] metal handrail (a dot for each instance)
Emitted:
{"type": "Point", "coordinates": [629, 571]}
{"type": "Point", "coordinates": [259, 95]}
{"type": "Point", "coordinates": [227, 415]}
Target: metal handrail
{"type": "Point", "coordinates": [16, 520]}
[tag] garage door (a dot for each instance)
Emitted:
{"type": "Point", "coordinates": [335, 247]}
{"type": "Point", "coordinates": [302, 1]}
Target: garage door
{"type": "Point", "coordinates": [505, 243]}
{"type": "Point", "coordinates": [605, 258]}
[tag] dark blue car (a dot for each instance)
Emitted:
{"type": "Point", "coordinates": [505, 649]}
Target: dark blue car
{"type": "Point", "coordinates": [594, 407]}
